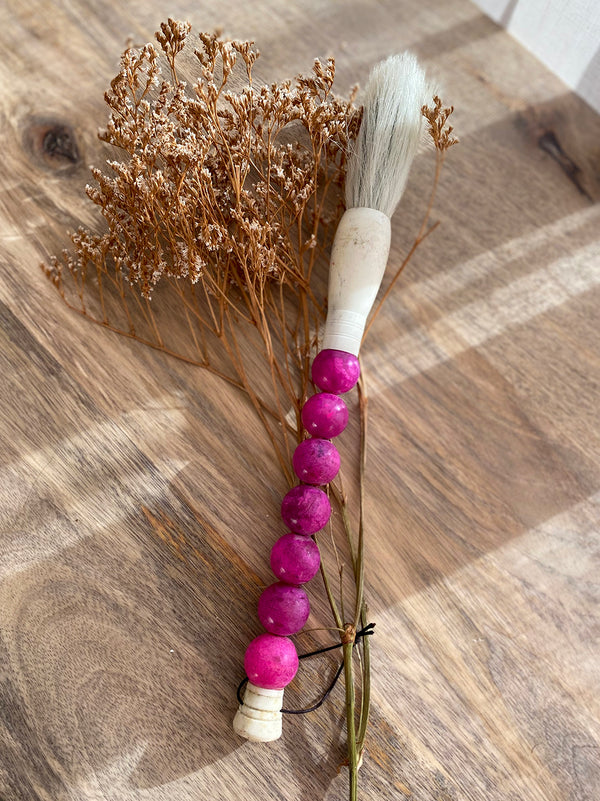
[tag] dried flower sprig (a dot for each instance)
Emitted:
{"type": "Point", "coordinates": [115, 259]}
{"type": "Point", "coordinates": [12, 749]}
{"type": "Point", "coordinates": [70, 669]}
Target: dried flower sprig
{"type": "Point", "coordinates": [225, 197]}
{"type": "Point", "coordinates": [441, 133]}
{"type": "Point", "coordinates": [222, 203]}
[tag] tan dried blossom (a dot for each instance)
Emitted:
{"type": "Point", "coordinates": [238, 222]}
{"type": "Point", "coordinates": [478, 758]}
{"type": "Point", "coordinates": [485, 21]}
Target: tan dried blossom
{"type": "Point", "coordinates": [210, 174]}
{"type": "Point", "coordinates": [439, 130]}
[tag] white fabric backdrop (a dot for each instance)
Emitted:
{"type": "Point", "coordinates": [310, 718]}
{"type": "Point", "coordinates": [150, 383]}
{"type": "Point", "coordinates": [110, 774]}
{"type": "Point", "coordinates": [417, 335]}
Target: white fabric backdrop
{"type": "Point", "coordinates": [564, 34]}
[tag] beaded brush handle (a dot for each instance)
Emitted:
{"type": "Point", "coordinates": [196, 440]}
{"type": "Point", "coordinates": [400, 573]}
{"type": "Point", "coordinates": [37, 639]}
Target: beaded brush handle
{"type": "Point", "coordinates": [377, 173]}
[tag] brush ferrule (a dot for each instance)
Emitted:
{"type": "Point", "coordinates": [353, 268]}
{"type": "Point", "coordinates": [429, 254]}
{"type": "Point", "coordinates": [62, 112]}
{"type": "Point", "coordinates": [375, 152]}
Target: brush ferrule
{"type": "Point", "coordinates": [358, 260]}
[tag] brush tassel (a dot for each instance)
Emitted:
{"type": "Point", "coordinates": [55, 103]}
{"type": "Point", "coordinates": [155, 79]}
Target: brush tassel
{"type": "Point", "coordinates": [377, 174]}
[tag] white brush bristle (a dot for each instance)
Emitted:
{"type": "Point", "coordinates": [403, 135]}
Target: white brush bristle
{"type": "Point", "coordinates": [389, 134]}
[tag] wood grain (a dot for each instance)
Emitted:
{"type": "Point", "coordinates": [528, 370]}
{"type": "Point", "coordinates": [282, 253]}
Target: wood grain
{"type": "Point", "coordinates": [139, 499]}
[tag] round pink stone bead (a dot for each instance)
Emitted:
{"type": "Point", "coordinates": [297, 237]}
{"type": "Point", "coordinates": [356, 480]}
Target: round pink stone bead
{"type": "Point", "coordinates": [316, 461]}
{"type": "Point", "coordinates": [335, 371]}
{"type": "Point", "coordinates": [283, 609]}
{"type": "Point", "coordinates": [295, 559]}
{"type": "Point", "coordinates": [271, 662]}
{"type": "Point", "coordinates": [305, 510]}
{"type": "Point", "coordinates": [325, 415]}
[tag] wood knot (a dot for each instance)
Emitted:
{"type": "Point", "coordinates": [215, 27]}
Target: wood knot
{"type": "Point", "coordinates": [548, 142]}
{"type": "Point", "coordinates": [349, 634]}
{"type": "Point", "coordinates": [52, 143]}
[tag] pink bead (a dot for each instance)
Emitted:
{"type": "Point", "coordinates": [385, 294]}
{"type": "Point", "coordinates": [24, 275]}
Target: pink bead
{"type": "Point", "coordinates": [295, 559]}
{"type": "Point", "coordinates": [283, 609]}
{"type": "Point", "coordinates": [325, 415]}
{"type": "Point", "coordinates": [271, 662]}
{"type": "Point", "coordinates": [316, 461]}
{"type": "Point", "coordinates": [335, 371]}
{"type": "Point", "coordinates": [305, 510]}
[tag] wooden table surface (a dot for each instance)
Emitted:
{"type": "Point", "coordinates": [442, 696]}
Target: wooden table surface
{"type": "Point", "coordinates": [139, 498]}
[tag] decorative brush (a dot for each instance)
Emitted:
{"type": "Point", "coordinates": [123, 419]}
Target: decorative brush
{"type": "Point", "coordinates": [377, 172]}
